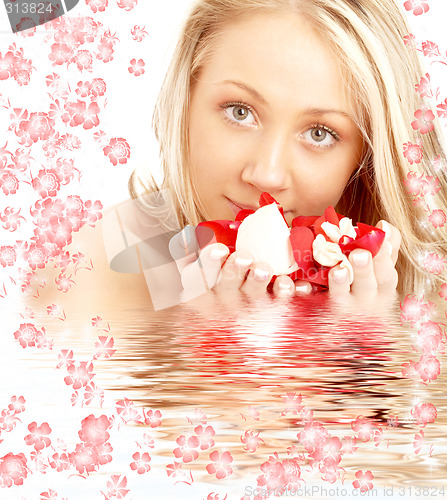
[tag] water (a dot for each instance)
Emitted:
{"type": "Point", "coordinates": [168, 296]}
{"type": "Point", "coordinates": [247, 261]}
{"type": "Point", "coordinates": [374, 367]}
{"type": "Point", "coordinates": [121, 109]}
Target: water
{"type": "Point", "coordinates": [241, 367]}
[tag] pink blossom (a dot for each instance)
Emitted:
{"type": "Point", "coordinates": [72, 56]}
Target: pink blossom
{"type": "Point", "coordinates": [8, 420]}
{"type": "Point", "coordinates": [64, 283]}
{"type": "Point", "coordinates": [428, 367]}
{"type": "Point", "coordinates": [79, 375]}
{"type": "Point", "coordinates": [47, 183]}
{"type": "Point", "coordinates": [251, 440]}
{"type": "Point", "coordinates": [59, 462]}
{"type": "Point", "coordinates": [221, 464]}
{"type": "Point", "coordinates": [443, 292]}
{"type": "Point", "coordinates": [205, 436]}
{"type": "Point", "coordinates": [424, 120]}
{"type": "Point", "coordinates": [17, 404]}
{"type": "Point", "coordinates": [412, 152]}
{"type": "Point", "coordinates": [430, 337]}
{"type": "Point", "coordinates": [13, 470]}
{"type": "Point", "coordinates": [364, 428]}
{"type": "Point", "coordinates": [363, 481]}
{"type": "Point", "coordinates": [94, 430]}
{"type": "Point", "coordinates": [29, 336]}
{"type": "Point", "coordinates": [313, 435]}
{"type": "Point", "coordinates": [93, 212]}
{"type": "Point", "coordinates": [126, 4]}
{"type": "Point", "coordinates": [104, 347]}
{"type": "Point", "coordinates": [141, 462]}
{"type": "Point", "coordinates": [415, 184]}
{"type": "Point", "coordinates": [138, 33]}
{"type": "Point", "coordinates": [349, 444]}
{"type": "Point", "coordinates": [105, 51]}
{"type": "Point", "coordinates": [409, 39]}
{"type": "Point", "coordinates": [83, 60]}
{"type": "Point", "coordinates": [97, 5]}
{"type": "Point", "coordinates": [437, 218]}
{"type": "Point", "coordinates": [414, 310]}
{"type": "Point", "coordinates": [38, 436]}
{"type": "Point", "coordinates": [176, 471]}
{"type": "Point", "coordinates": [8, 256]}
{"type": "Point", "coordinates": [116, 487]}
{"type": "Point", "coordinates": [424, 414]}
{"type": "Point", "coordinates": [441, 110]}
{"type": "Point", "coordinates": [417, 6]}
{"type": "Point", "coordinates": [292, 403]}
{"type": "Point", "coordinates": [9, 183]}
{"type": "Point", "coordinates": [84, 458]}
{"type": "Point", "coordinates": [419, 441]}
{"type": "Point", "coordinates": [430, 49]}
{"type": "Point", "coordinates": [431, 185]}
{"type": "Point", "coordinates": [127, 412]}
{"type": "Point", "coordinates": [118, 151]}
{"type": "Point", "coordinates": [434, 263]}
{"type": "Point", "coordinates": [136, 67]}
{"type": "Point", "coordinates": [98, 87]}
{"type": "Point", "coordinates": [21, 160]}
{"type": "Point", "coordinates": [39, 126]}
{"type": "Point", "coordinates": [187, 448]}
{"type": "Point", "coordinates": [11, 219]}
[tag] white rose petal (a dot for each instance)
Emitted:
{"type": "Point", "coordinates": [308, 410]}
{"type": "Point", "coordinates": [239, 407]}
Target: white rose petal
{"type": "Point", "coordinates": [335, 232]}
{"type": "Point", "coordinates": [266, 235]}
{"type": "Point", "coordinates": [347, 265]}
{"type": "Point", "coordinates": [326, 252]}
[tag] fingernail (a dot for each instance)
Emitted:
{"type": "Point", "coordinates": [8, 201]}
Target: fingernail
{"type": "Point", "coordinates": [218, 253]}
{"type": "Point", "coordinates": [284, 286]}
{"type": "Point", "coordinates": [304, 288]}
{"type": "Point", "coordinates": [387, 228]}
{"type": "Point", "coordinates": [241, 262]}
{"type": "Point", "coordinates": [340, 276]}
{"type": "Point", "coordinates": [260, 274]}
{"type": "Point", "coordinates": [360, 259]}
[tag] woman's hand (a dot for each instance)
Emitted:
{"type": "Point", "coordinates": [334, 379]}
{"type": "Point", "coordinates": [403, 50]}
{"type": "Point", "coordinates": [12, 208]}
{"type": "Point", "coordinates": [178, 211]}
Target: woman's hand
{"type": "Point", "coordinates": [212, 268]}
{"type": "Point", "coordinates": [370, 274]}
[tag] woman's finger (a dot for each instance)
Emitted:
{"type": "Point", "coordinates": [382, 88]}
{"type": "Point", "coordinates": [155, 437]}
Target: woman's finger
{"type": "Point", "coordinates": [257, 280]}
{"type": "Point", "coordinates": [386, 274]}
{"type": "Point", "coordinates": [234, 271]}
{"type": "Point", "coordinates": [184, 248]}
{"type": "Point", "coordinates": [302, 287]}
{"type": "Point", "coordinates": [364, 276]}
{"type": "Point", "coordinates": [393, 237]}
{"type": "Point", "coordinates": [339, 282]}
{"type": "Point", "coordinates": [284, 286]}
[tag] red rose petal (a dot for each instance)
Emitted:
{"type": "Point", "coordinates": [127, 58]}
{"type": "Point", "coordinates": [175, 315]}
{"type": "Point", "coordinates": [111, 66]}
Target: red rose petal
{"type": "Point", "coordinates": [304, 220]}
{"type": "Point", "coordinates": [301, 239]}
{"type": "Point", "coordinates": [368, 238]}
{"type": "Point", "coordinates": [266, 199]}
{"type": "Point", "coordinates": [242, 214]}
{"type": "Point", "coordinates": [218, 231]}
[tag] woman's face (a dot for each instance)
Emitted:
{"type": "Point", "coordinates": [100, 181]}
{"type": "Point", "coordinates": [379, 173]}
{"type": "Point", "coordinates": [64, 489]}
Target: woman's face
{"type": "Point", "coordinates": [269, 113]}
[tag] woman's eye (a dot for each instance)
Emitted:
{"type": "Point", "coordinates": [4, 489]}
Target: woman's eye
{"type": "Point", "coordinates": [320, 136]}
{"type": "Point", "coordinates": [239, 114]}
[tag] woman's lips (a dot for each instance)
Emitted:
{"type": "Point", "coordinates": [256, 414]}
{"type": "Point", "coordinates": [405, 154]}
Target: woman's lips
{"type": "Point", "coordinates": [236, 208]}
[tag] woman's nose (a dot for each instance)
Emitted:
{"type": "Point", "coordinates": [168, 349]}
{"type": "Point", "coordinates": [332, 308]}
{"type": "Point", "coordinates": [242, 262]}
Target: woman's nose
{"type": "Point", "coordinates": [268, 167]}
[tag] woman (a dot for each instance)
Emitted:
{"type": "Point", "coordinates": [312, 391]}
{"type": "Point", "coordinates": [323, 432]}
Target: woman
{"type": "Point", "coordinates": [311, 101]}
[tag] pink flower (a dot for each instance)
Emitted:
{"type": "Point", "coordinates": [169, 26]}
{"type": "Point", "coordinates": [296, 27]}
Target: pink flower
{"type": "Point", "coordinates": [313, 435]}
{"type": "Point", "coordinates": [152, 418]}
{"type": "Point", "coordinates": [205, 436]}
{"type": "Point", "coordinates": [424, 120]}
{"type": "Point", "coordinates": [141, 462]}
{"type": "Point", "coordinates": [126, 4]}
{"type": "Point", "coordinates": [17, 404]}
{"type": "Point", "coordinates": [428, 367]}
{"type": "Point", "coordinates": [97, 5]}
{"type": "Point", "coordinates": [186, 450]}
{"type": "Point", "coordinates": [11, 219]}
{"type": "Point", "coordinates": [7, 256]}
{"type": "Point", "coordinates": [83, 60]}
{"type": "Point", "coordinates": [118, 151]}
{"type": "Point", "coordinates": [417, 6]}
{"type": "Point", "coordinates": [221, 464]}
{"type": "Point", "coordinates": [38, 436]}
{"type": "Point", "coordinates": [136, 67]}
{"type": "Point", "coordinates": [98, 87]}
{"type": "Point", "coordinates": [79, 375]}
{"type": "Point", "coordinates": [9, 183]}
{"type": "Point", "coordinates": [94, 430]}
{"type": "Point", "coordinates": [59, 462]}
{"type": "Point", "coordinates": [292, 403]}
{"type": "Point", "coordinates": [363, 481]}
{"type": "Point", "coordinates": [409, 39]}
{"type": "Point", "coordinates": [93, 212]}
{"type": "Point", "coordinates": [29, 336]}
{"type": "Point", "coordinates": [413, 153]}
{"type": "Point", "coordinates": [414, 310]}
{"type": "Point", "coordinates": [251, 440]}
{"type": "Point", "coordinates": [116, 487]}
{"type": "Point", "coordinates": [424, 414]}
{"type": "Point", "coordinates": [138, 33]}
{"type": "Point", "coordinates": [434, 263]}
{"type": "Point", "coordinates": [437, 218]}
{"type": "Point", "coordinates": [13, 470]}
{"type": "Point", "coordinates": [364, 427]}
{"type": "Point", "coordinates": [47, 183]}
{"type": "Point", "coordinates": [85, 458]}
{"type": "Point", "coordinates": [127, 412]}
{"type": "Point", "coordinates": [419, 441]}
{"type": "Point", "coordinates": [443, 292]}
{"type": "Point", "coordinates": [442, 109]}
{"type": "Point", "coordinates": [430, 49]}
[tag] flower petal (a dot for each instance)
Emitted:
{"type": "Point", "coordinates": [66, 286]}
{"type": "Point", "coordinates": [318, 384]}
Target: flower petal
{"type": "Point", "coordinates": [217, 231]}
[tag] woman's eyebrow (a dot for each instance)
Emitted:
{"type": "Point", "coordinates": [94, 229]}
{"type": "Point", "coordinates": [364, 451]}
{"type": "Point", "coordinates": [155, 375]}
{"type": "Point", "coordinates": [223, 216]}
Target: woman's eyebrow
{"type": "Point", "coordinates": [246, 87]}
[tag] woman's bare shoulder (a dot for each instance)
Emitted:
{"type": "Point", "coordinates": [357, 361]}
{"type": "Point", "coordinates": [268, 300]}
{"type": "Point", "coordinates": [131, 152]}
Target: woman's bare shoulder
{"type": "Point", "coordinates": [97, 287]}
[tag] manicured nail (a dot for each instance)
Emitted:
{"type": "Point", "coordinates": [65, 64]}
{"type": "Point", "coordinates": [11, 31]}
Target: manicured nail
{"type": "Point", "coordinates": [304, 288]}
{"type": "Point", "coordinates": [340, 276]}
{"type": "Point", "coordinates": [360, 259]}
{"type": "Point", "coordinates": [218, 253]}
{"type": "Point", "coordinates": [241, 262]}
{"type": "Point", "coordinates": [386, 226]}
{"type": "Point", "coordinates": [284, 286]}
{"type": "Point", "coordinates": [260, 274]}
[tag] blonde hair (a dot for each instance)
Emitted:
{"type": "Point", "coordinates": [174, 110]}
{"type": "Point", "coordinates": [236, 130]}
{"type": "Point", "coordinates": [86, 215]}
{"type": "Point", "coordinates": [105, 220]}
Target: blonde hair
{"type": "Point", "coordinates": [380, 73]}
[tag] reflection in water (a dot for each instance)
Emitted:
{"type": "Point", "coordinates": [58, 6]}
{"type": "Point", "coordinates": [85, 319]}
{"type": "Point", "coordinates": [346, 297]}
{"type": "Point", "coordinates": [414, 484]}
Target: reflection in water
{"type": "Point", "coordinates": [241, 364]}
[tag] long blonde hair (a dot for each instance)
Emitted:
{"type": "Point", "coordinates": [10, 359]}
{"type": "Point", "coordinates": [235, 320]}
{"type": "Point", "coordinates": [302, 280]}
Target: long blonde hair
{"type": "Point", "coordinates": [380, 73]}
